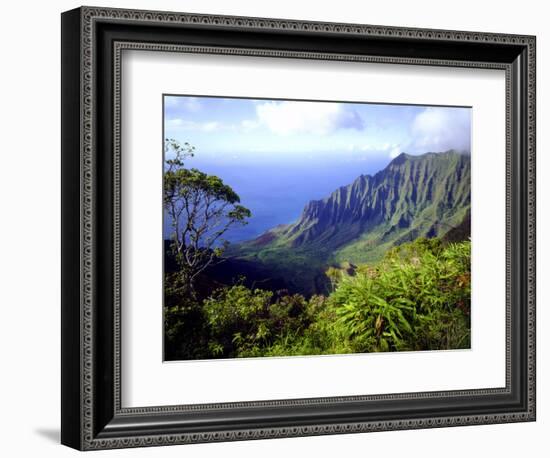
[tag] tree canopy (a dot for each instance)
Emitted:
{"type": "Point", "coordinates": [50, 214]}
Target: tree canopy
{"type": "Point", "coordinates": [201, 208]}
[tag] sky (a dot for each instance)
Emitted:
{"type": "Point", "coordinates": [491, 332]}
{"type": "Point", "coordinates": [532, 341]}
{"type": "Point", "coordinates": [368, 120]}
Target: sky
{"type": "Point", "coordinates": [278, 155]}
{"type": "Point", "coordinates": [253, 130]}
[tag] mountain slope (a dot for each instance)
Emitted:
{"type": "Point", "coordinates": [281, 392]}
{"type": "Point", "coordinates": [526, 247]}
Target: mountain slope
{"type": "Point", "coordinates": [414, 196]}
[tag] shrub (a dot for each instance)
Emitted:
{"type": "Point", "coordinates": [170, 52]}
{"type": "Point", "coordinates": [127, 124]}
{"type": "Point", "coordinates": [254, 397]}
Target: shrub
{"type": "Point", "coordinates": [186, 332]}
{"type": "Point", "coordinates": [237, 318]}
{"type": "Point", "coordinates": [416, 298]}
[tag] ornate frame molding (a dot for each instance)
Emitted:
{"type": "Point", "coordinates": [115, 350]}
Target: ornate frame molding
{"type": "Point", "coordinates": [89, 434]}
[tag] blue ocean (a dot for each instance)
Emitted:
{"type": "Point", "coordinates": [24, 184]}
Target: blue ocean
{"type": "Point", "coordinates": [276, 192]}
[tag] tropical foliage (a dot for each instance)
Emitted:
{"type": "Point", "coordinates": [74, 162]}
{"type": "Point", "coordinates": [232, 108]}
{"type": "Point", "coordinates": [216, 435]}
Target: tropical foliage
{"type": "Point", "coordinates": [416, 298]}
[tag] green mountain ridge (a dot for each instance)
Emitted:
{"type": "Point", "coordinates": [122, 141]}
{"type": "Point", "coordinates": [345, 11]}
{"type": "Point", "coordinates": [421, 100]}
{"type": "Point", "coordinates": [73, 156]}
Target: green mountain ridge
{"type": "Point", "coordinates": [414, 196]}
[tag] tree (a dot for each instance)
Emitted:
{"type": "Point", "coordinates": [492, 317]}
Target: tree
{"type": "Point", "coordinates": [201, 209]}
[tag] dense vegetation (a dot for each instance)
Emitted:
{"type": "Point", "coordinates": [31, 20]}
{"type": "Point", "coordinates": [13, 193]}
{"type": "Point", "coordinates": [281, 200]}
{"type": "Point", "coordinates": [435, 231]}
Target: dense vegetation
{"type": "Point", "coordinates": [396, 243]}
{"type": "Point", "coordinates": [416, 298]}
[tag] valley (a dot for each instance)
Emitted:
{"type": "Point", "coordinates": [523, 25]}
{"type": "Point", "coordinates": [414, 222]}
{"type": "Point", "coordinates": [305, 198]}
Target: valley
{"type": "Point", "coordinates": [413, 196]}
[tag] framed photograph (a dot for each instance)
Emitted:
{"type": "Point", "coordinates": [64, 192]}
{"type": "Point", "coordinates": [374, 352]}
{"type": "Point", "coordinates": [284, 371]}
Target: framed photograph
{"type": "Point", "coordinates": [276, 228]}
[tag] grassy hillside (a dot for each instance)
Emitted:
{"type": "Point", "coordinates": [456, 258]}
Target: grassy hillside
{"type": "Point", "coordinates": [414, 196]}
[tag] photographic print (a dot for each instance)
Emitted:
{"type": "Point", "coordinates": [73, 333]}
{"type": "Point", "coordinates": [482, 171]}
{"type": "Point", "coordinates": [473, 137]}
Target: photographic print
{"type": "Point", "coordinates": [295, 227]}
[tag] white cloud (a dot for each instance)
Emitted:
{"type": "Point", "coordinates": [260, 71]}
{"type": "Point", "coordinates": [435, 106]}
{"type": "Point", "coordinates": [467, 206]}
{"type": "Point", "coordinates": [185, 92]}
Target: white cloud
{"type": "Point", "coordinates": [286, 118]}
{"type": "Point", "coordinates": [210, 126]}
{"type": "Point", "coordinates": [183, 124]}
{"type": "Point", "coordinates": [438, 129]}
{"type": "Point", "coordinates": [247, 125]}
{"type": "Point", "coordinates": [435, 129]}
{"type": "Point", "coordinates": [390, 149]}
{"type": "Point", "coordinates": [363, 147]}
{"type": "Point", "coordinates": [394, 152]}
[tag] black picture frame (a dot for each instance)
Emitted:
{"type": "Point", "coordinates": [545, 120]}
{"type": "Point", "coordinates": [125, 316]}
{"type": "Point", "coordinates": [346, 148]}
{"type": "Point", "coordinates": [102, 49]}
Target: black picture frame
{"type": "Point", "coordinates": [92, 416]}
